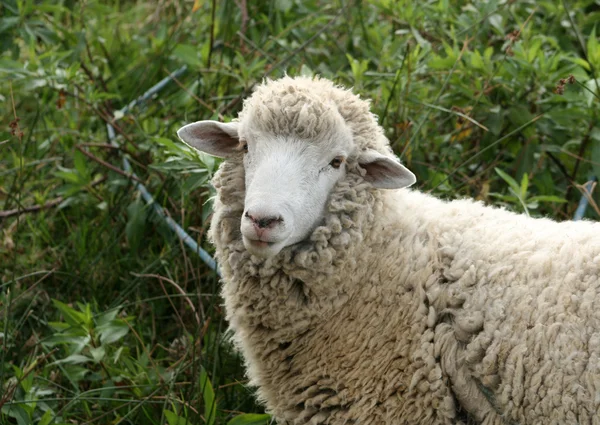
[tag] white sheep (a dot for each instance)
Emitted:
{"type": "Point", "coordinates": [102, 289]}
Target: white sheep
{"type": "Point", "coordinates": [357, 301]}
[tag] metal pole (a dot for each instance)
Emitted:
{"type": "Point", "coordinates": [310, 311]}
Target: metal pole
{"type": "Point", "coordinates": [146, 195]}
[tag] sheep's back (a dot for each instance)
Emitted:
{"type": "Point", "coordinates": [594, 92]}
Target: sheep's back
{"type": "Point", "coordinates": [517, 310]}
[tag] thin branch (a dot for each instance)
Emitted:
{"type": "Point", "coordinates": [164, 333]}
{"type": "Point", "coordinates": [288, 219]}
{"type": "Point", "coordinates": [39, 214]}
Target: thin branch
{"type": "Point", "coordinates": [500, 140]}
{"type": "Point", "coordinates": [12, 387]}
{"type": "Point", "coordinates": [107, 165]}
{"type": "Point", "coordinates": [212, 33]}
{"type": "Point", "coordinates": [561, 168]}
{"type": "Point", "coordinates": [582, 148]}
{"type": "Point", "coordinates": [36, 208]}
{"type": "Point", "coordinates": [283, 61]}
{"type": "Point", "coordinates": [588, 195]}
{"type": "Point", "coordinates": [200, 101]}
{"type": "Point", "coordinates": [177, 287]}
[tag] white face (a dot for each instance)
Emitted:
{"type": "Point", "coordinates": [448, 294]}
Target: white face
{"type": "Point", "coordinates": [288, 179]}
{"type": "Point", "coordinates": [288, 182]}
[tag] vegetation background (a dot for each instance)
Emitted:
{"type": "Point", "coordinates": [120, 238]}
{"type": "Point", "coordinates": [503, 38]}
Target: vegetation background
{"type": "Point", "coordinates": [105, 317]}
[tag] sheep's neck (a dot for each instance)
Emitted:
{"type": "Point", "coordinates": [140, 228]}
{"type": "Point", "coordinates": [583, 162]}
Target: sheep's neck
{"type": "Point", "coordinates": [306, 283]}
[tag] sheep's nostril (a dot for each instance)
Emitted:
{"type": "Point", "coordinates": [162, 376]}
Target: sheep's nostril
{"type": "Point", "coordinates": [263, 222]}
{"type": "Point", "coordinates": [266, 222]}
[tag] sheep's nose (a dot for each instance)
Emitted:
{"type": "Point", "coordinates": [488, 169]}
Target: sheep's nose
{"type": "Point", "coordinates": [264, 222]}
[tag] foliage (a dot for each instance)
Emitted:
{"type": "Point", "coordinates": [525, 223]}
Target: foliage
{"type": "Point", "coordinates": [104, 316]}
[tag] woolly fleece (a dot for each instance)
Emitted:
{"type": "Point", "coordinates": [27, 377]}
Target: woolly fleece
{"type": "Point", "coordinates": [402, 308]}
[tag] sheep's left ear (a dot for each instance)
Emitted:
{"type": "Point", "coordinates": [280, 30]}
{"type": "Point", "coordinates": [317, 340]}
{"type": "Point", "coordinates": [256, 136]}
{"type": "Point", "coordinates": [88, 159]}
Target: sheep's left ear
{"type": "Point", "coordinates": [213, 137]}
{"type": "Point", "coordinates": [384, 172]}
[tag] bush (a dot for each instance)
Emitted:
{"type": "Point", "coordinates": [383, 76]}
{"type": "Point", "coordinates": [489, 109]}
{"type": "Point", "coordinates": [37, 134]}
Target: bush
{"type": "Point", "coordinates": [105, 317]}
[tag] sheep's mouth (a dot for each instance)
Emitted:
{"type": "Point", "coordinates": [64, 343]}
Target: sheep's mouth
{"type": "Point", "coordinates": [263, 248]}
{"type": "Point", "coordinates": [260, 243]}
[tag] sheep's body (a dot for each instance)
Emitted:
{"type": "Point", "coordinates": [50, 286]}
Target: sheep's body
{"type": "Point", "coordinates": [404, 309]}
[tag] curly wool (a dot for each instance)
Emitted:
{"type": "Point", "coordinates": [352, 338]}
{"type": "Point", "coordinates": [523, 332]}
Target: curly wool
{"type": "Point", "coordinates": [401, 308]}
{"type": "Point", "coordinates": [308, 108]}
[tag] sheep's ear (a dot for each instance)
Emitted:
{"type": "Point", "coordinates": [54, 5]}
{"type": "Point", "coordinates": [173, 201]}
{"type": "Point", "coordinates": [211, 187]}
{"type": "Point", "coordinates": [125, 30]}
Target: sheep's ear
{"type": "Point", "coordinates": [383, 172]}
{"type": "Point", "coordinates": [213, 137]}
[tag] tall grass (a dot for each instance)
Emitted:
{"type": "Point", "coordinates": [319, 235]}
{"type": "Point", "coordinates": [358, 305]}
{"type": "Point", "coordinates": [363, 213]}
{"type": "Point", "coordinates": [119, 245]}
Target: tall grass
{"type": "Point", "coordinates": [105, 317]}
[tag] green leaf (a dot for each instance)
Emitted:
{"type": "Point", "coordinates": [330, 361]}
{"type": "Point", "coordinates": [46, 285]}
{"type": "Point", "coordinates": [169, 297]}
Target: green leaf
{"type": "Point", "coordinates": [508, 179]}
{"type": "Point", "coordinates": [71, 316]}
{"type": "Point", "coordinates": [79, 160]}
{"type": "Point", "coordinates": [208, 395]}
{"type": "Point", "coordinates": [496, 22]}
{"type": "Point", "coordinates": [174, 419]}
{"type": "Point", "coordinates": [113, 331]}
{"type": "Point", "coordinates": [250, 419]}
{"type": "Point", "coordinates": [108, 316]}
{"type": "Point", "coordinates": [547, 198]}
{"type": "Point", "coordinates": [477, 60]}
{"type": "Point", "coordinates": [17, 412]}
{"type": "Point", "coordinates": [71, 176]}
{"type": "Point", "coordinates": [75, 359]}
{"type": "Point", "coordinates": [595, 136]}
{"type": "Point", "coordinates": [592, 93]}
{"type": "Point", "coordinates": [581, 62]}
{"type": "Point", "coordinates": [98, 353]}
{"type": "Point", "coordinates": [46, 418]}
{"type": "Point", "coordinates": [27, 382]}
{"type": "Point", "coordinates": [75, 373]}
{"type": "Point", "coordinates": [188, 54]}
{"type": "Point", "coordinates": [76, 341]}
{"type": "Point", "coordinates": [524, 186]}
{"type": "Point", "coordinates": [526, 156]}
{"type": "Point", "coordinates": [136, 223]}
{"type": "Point", "coordinates": [178, 148]}
{"type": "Point", "coordinates": [593, 48]}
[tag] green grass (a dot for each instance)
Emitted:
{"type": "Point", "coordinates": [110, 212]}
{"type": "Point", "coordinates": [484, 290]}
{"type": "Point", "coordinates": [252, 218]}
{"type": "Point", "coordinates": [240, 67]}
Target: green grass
{"type": "Point", "coordinates": [104, 316]}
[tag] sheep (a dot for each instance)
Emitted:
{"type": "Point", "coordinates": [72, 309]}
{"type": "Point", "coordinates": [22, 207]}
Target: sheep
{"type": "Point", "coordinates": [356, 300]}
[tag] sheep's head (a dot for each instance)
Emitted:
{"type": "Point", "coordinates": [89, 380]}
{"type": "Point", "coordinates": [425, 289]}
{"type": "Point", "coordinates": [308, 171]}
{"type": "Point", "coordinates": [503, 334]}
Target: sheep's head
{"type": "Point", "coordinates": [296, 146]}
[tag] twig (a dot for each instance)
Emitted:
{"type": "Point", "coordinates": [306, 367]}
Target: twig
{"type": "Point", "coordinates": [439, 95]}
{"type": "Point", "coordinates": [177, 287]}
{"type": "Point", "coordinates": [200, 101]}
{"type": "Point", "coordinates": [101, 145]}
{"type": "Point", "coordinates": [212, 33]}
{"type": "Point", "coordinates": [141, 341]}
{"type": "Point", "coordinates": [586, 190]}
{"type": "Point", "coordinates": [36, 283]}
{"type": "Point", "coordinates": [456, 112]}
{"type": "Point", "coordinates": [282, 62]}
{"type": "Point", "coordinates": [11, 387]}
{"type": "Point", "coordinates": [500, 140]}
{"type": "Point", "coordinates": [36, 208]}
{"type": "Point", "coordinates": [581, 44]}
{"type": "Point", "coordinates": [582, 148]}
{"type": "Point", "coordinates": [107, 165]}
{"type": "Point", "coordinates": [116, 147]}
{"type": "Point", "coordinates": [588, 89]}
{"type": "Point", "coordinates": [303, 45]}
{"type": "Point", "coordinates": [561, 168]}
{"type": "Point", "coordinates": [513, 37]}
{"type": "Point", "coordinates": [242, 4]}
{"type": "Point", "coordinates": [14, 125]}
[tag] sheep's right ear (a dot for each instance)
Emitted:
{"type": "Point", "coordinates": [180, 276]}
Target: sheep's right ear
{"type": "Point", "coordinates": [213, 137]}
{"type": "Point", "coordinates": [384, 172]}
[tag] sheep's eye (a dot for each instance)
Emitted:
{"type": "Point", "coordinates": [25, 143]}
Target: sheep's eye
{"type": "Point", "coordinates": [243, 146]}
{"type": "Point", "coordinates": [337, 162]}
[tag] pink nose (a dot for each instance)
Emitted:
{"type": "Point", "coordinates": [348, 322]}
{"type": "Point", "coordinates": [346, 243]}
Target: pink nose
{"type": "Point", "coordinates": [267, 222]}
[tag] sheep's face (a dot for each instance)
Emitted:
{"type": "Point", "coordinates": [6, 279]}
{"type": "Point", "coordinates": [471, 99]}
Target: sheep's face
{"type": "Point", "coordinates": [289, 176]}
{"type": "Point", "coordinates": [288, 181]}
